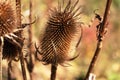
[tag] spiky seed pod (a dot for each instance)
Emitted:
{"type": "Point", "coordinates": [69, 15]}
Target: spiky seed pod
{"type": "Point", "coordinates": [7, 25]}
{"type": "Point", "coordinates": [12, 43]}
{"type": "Point", "coordinates": [7, 17]}
{"type": "Point", "coordinates": [60, 30]}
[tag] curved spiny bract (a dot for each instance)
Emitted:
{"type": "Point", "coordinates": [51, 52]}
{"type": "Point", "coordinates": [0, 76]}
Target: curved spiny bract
{"type": "Point", "coordinates": [60, 30]}
{"type": "Point", "coordinates": [7, 17]}
{"type": "Point", "coordinates": [11, 49]}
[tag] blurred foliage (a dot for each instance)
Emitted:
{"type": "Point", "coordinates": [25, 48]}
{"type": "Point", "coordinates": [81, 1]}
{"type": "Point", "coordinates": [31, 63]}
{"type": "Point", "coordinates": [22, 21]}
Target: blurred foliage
{"type": "Point", "coordinates": [108, 63]}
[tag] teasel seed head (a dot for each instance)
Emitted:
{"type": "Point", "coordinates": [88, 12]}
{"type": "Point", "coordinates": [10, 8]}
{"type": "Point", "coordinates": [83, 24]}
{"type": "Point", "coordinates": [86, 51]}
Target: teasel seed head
{"type": "Point", "coordinates": [60, 30]}
{"type": "Point", "coordinates": [7, 17]}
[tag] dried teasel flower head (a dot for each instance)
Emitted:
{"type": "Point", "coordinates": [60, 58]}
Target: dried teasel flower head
{"type": "Point", "coordinates": [7, 17]}
{"type": "Point", "coordinates": [60, 30]}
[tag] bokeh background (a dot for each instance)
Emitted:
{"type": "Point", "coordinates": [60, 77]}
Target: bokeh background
{"type": "Point", "coordinates": [108, 63]}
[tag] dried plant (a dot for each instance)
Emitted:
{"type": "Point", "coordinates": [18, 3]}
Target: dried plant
{"type": "Point", "coordinates": [9, 31]}
{"type": "Point", "coordinates": [7, 17]}
{"type": "Point", "coordinates": [7, 26]}
{"type": "Point", "coordinates": [19, 25]}
{"type": "Point", "coordinates": [101, 30]}
{"type": "Point", "coordinates": [60, 31]}
{"type": "Point", "coordinates": [30, 60]}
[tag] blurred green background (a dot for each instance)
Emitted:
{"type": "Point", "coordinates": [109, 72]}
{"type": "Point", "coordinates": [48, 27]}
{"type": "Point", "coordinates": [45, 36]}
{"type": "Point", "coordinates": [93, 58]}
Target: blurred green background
{"type": "Point", "coordinates": [108, 63]}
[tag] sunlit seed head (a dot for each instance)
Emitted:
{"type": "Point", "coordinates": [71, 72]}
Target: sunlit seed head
{"type": "Point", "coordinates": [60, 30]}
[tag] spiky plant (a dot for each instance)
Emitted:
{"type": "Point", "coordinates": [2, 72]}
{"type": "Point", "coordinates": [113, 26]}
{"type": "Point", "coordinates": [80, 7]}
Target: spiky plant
{"type": "Point", "coordinates": [60, 31]}
{"type": "Point", "coordinates": [8, 25]}
{"type": "Point", "coordinates": [11, 31]}
{"type": "Point", "coordinates": [7, 17]}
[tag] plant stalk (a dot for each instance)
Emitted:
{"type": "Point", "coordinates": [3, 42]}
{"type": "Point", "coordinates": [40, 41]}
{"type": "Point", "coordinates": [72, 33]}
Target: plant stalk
{"type": "Point", "coordinates": [53, 71]}
{"type": "Point", "coordinates": [99, 43]}
{"type": "Point", "coordinates": [18, 9]}
{"type": "Point", "coordinates": [1, 50]}
{"type": "Point", "coordinates": [30, 63]}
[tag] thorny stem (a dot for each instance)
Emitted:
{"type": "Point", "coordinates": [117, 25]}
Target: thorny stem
{"type": "Point", "coordinates": [30, 63]}
{"type": "Point", "coordinates": [18, 9]}
{"type": "Point", "coordinates": [99, 43]}
{"type": "Point", "coordinates": [105, 16]}
{"type": "Point", "coordinates": [22, 65]}
{"type": "Point", "coordinates": [1, 49]}
{"type": "Point", "coordinates": [53, 71]}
